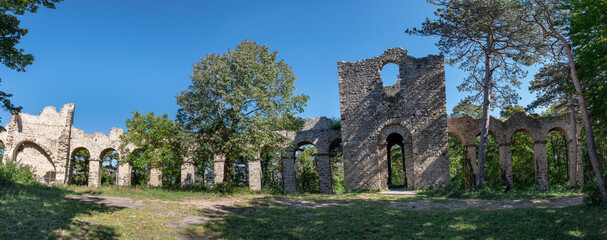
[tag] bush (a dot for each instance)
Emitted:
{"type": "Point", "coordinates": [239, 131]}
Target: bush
{"type": "Point", "coordinates": [13, 173]}
{"type": "Point", "coordinates": [455, 188]}
{"type": "Point", "coordinates": [591, 192]}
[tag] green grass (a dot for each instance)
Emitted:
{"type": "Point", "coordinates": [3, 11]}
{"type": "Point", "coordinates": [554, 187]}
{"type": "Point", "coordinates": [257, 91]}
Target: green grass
{"type": "Point", "coordinates": [35, 211]}
{"type": "Point", "coordinates": [143, 192]}
{"type": "Point", "coordinates": [372, 220]}
{"type": "Point", "coordinates": [515, 194]}
{"type": "Point", "coordinates": [29, 210]}
{"type": "Point", "coordinates": [39, 212]}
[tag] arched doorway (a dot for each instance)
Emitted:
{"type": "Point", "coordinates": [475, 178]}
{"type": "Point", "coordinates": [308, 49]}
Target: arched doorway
{"type": "Point", "coordinates": [523, 160]}
{"type": "Point", "coordinates": [396, 162]}
{"type": "Point", "coordinates": [492, 162]}
{"type": "Point", "coordinates": [558, 158]}
{"type": "Point", "coordinates": [395, 154]}
{"type": "Point", "coordinates": [139, 172]}
{"type": "Point", "coordinates": [109, 166]}
{"type": "Point", "coordinates": [306, 174]}
{"type": "Point", "coordinates": [337, 166]}
{"type": "Point", "coordinates": [80, 166]}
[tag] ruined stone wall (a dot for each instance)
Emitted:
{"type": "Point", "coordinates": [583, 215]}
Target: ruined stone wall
{"type": "Point", "coordinates": [47, 143]}
{"type": "Point", "coordinates": [466, 129]}
{"type": "Point", "coordinates": [415, 105]}
{"type": "Point", "coordinates": [318, 132]}
{"type": "Point", "coordinates": [41, 142]}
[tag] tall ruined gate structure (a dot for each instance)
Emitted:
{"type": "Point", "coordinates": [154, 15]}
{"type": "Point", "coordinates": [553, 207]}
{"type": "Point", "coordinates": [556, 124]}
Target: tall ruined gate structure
{"type": "Point", "coordinates": [411, 113]}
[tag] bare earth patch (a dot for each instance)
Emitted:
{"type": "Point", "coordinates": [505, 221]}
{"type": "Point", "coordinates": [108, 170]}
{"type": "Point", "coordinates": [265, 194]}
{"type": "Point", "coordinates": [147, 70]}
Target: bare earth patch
{"type": "Point", "coordinates": [216, 209]}
{"type": "Point", "coordinates": [109, 201]}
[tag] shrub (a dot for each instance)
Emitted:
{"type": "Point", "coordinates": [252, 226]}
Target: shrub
{"type": "Point", "coordinates": [13, 173]}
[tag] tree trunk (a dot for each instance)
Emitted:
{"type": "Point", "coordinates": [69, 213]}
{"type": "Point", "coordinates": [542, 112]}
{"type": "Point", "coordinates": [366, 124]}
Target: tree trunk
{"type": "Point", "coordinates": [586, 120]}
{"type": "Point", "coordinates": [226, 170]}
{"type": "Point", "coordinates": [574, 140]}
{"type": "Point", "coordinates": [482, 149]}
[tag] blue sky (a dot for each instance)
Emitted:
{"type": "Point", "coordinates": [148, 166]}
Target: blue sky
{"type": "Point", "coordinates": [113, 57]}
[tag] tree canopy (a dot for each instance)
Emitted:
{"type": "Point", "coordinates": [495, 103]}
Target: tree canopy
{"type": "Point", "coordinates": [239, 100]}
{"type": "Point", "coordinates": [155, 139]}
{"type": "Point", "coordinates": [487, 39]}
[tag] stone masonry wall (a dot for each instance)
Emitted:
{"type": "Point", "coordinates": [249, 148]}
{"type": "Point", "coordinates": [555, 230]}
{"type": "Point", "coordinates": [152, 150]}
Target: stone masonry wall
{"type": "Point", "coordinates": [416, 103]}
{"type": "Point", "coordinates": [466, 129]}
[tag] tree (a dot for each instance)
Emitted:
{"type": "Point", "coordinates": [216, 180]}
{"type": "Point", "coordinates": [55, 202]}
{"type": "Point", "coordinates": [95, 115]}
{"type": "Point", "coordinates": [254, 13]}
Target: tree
{"type": "Point", "coordinates": [109, 168]}
{"type": "Point", "coordinates": [239, 100]}
{"type": "Point", "coordinates": [549, 17]}
{"type": "Point", "coordinates": [80, 171]}
{"type": "Point", "coordinates": [10, 34]}
{"type": "Point", "coordinates": [467, 108]}
{"type": "Point", "coordinates": [156, 141]}
{"type": "Point", "coordinates": [487, 39]}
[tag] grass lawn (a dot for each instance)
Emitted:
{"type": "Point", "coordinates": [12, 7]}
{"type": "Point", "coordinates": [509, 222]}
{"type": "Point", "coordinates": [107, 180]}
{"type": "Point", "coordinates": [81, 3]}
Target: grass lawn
{"type": "Point", "coordinates": [40, 212]}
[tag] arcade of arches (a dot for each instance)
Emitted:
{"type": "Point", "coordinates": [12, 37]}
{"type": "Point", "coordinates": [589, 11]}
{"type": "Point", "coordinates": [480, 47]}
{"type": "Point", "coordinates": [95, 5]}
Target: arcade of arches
{"type": "Point", "coordinates": [391, 135]}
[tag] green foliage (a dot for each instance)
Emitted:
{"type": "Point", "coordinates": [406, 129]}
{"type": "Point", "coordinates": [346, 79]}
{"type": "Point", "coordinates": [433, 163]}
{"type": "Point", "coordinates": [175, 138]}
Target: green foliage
{"type": "Point", "coordinates": [159, 142]}
{"type": "Point", "coordinates": [492, 166]}
{"type": "Point", "coordinates": [306, 175]}
{"type": "Point", "coordinates": [523, 161]}
{"type": "Point", "coordinates": [509, 111]}
{"type": "Point", "coordinates": [558, 159]}
{"type": "Point", "coordinates": [12, 173]}
{"type": "Point", "coordinates": [139, 173]}
{"type": "Point", "coordinates": [80, 171]}
{"type": "Point", "coordinates": [552, 85]}
{"type": "Point", "coordinates": [457, 160]}
{"type": "Point", "coordinates": [109, 168]}
{"type": "Point", "coordinates": [398, 168]}
{"type": "Point", "coordinates": [586, 25]}
{"type": "Point", "coordinates": [239, 100]}
{"type": "Point", "coordinates": [467, 108]}
{"type": "Point", "coordinates": [336, 156]}
{"type": "Point", "coordinates": [335, 123]}
{"type": "Point", "coordinates": [591, 192]}
{"type": "Point", "coordinates": [474, 33]}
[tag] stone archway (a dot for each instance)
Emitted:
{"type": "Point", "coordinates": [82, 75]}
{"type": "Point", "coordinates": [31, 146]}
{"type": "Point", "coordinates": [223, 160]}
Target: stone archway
{"type": "Point", "coordinates": [390, 136]}
{"type": "Point", "coordinates": [38, 159]}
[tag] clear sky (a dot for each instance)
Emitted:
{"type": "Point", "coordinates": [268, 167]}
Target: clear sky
{"type": "Point", "coordinates": [113, 57]}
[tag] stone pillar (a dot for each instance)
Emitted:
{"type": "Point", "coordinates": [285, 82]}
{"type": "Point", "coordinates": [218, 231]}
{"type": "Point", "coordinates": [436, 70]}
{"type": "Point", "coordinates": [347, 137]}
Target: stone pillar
{"type": "Point", "coordinates": [471, 165]}
{"type": "Point", "coordinates": [505, 160]}
{"type": "Point", "coordinates": [255, 175]}
{"type": "Point", "coordinates": [409, 166]}
{"type": "Point", "coordinates": [187, 173]}
{"type": "Point", "coordinates": [541, 164]}
{"type": "Point", "coordinates": [155, 177]}
{"type": "Point", "coordinates": [384, 167]}
{"type": "Point", "coordinates": [219, 168]}
{"type": "Point", "coordinates": [573, 164]}
{"type": "Point", "coordinates": [61, 176]}
{"type": "Point", "coordinates": [323, 165]}
{"type": "Point", "coordinates": [124, 174]}
{"type": "Point", "coordinates": [288, 174]}
{"type": "Point", "coordinates": [94, 172]}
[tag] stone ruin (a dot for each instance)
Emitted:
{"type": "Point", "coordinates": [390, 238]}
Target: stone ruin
{"type": "Point", "coordinates": [374, 117]}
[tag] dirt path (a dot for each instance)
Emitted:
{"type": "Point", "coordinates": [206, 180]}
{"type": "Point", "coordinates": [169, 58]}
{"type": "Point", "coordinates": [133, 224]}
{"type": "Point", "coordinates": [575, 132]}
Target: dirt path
{"type": "Point", "coordinates": [109, 201]}
{"type": "Point", "coordinates": [226, 205]}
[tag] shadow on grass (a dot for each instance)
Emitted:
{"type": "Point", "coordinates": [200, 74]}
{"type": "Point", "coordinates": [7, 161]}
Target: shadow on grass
{"type": "Point", "coordinates": [34, 211]}
{"type": "Point", "coordinates": [371, 219]}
